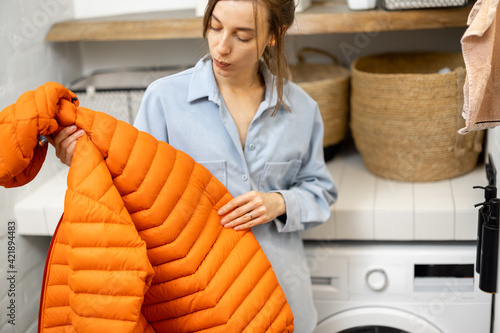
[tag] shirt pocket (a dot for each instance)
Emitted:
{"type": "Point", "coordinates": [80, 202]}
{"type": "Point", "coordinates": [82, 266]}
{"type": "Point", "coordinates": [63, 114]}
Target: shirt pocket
{"type": "Point", "coordinates": [279, 175]}
{"type": "Point", "coordinates": [218, 169]}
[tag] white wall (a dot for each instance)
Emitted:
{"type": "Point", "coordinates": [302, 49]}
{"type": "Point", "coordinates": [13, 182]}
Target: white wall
{"type": "Point", "coordinates": [98, 55]}
{"type": "Point", "coordinates": [97, 8]}
{"type": "Point", "coordinates": [26, 62]}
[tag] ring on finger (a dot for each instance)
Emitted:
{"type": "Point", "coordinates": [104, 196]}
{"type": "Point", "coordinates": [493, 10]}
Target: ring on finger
{"type": "Point", "coordinates": [251, 216]}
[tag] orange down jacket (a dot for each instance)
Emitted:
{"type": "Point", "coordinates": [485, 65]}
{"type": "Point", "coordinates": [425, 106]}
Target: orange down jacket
{"type": "Point", "coordinates": [140, 247]}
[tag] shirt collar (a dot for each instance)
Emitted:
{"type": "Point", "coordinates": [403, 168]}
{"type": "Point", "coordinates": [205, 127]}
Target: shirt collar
{"type": "Point", "coordinates": [203, 83]}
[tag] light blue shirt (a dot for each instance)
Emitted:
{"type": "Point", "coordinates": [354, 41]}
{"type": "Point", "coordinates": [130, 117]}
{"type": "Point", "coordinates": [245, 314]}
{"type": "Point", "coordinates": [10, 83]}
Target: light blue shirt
{"type": "Point", "coordinates": [283, 153]}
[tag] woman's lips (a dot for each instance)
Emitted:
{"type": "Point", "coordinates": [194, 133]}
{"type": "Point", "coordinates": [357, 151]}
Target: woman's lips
{"type": "Point", "coordinates": [221, 64]}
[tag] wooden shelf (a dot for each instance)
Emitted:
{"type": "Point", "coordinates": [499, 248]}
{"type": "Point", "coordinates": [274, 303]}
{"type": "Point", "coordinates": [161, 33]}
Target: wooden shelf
{"type": "Point", "coordinates": [320, 18]}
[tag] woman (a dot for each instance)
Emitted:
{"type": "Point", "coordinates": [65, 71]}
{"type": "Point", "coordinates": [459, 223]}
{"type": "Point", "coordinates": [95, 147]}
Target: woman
{"type": "Point", "coordinates": [259, 134]}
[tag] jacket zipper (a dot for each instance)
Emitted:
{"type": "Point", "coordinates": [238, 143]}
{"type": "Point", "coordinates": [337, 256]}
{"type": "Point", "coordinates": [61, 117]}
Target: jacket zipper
{"type": "Point", "coordinates": [42, 292]}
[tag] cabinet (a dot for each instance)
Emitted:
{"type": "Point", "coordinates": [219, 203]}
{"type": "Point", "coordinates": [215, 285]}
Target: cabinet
{"type": "Point", "coordinates": [323, 17]}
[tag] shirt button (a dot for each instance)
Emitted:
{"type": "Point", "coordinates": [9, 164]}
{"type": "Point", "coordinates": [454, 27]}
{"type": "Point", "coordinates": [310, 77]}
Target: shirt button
{"type": "Point", "coordinates": [251, 146]}
{"type": "Point", "coordinates": [244, 177]}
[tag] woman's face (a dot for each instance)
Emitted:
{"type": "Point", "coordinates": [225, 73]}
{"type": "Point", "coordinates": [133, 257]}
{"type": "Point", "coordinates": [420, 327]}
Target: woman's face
{"type": "Point", "coordinates": [235, 43]}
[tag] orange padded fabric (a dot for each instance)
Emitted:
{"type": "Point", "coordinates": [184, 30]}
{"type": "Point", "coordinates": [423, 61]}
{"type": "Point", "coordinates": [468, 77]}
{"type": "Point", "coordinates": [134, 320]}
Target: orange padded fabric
{"type": "Point", "coordinates": [140, 247]}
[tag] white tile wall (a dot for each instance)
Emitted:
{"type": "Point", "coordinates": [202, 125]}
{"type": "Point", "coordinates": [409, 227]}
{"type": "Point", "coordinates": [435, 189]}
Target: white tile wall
{"type": "Point", "coordinates": [393, 210]}
{"type": "Point", "coordinates": [374, 208]}
{"type": "Point", "coordinates": [434, 211]}
{"type": "Point", "coordinates": [26, 62]}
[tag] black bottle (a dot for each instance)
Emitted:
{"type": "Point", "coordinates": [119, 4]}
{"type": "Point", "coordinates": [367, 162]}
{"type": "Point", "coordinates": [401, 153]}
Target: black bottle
{"type": "Point", "coordinates": [489, 248]}
{"type": "Point", "coordinates": [490, 192]}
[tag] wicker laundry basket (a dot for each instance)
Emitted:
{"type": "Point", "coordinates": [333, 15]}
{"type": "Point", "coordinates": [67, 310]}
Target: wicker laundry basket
{"type": "Point", "coordinates": [405, 116]}
{"type": "Point", "coordinates": [328, 84]}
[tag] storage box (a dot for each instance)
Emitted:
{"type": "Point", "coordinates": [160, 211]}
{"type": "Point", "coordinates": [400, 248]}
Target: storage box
{"type": "Point", "coordinates": [417, 4]}
{"type": "Point", "coordinates": [361, 4]}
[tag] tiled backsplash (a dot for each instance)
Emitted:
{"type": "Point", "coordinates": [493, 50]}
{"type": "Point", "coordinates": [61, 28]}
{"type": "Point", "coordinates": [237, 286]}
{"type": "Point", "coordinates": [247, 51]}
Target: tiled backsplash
{"type": "Point", "coordinates": [374, 208]}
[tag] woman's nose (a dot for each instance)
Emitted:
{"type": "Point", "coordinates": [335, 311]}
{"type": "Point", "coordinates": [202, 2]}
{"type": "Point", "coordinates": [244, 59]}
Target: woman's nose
{"type": "Point", "coordinates": [224, 46]}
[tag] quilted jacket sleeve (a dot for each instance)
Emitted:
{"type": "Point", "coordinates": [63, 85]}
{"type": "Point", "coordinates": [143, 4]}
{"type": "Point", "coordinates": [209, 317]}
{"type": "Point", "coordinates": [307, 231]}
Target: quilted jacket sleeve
{"type": "Point", "coordinates": [20, 126]}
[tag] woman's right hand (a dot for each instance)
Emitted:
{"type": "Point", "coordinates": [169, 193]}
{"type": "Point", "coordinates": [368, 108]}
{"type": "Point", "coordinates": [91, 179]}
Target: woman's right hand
{"type": "Point", "coordinates": [65, 141]}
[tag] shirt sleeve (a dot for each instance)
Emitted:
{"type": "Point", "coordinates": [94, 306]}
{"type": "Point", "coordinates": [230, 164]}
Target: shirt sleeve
{"type": "Point", "coordinates": [308, 201]}
{"type": "Point", "coordinates": [151, 116]}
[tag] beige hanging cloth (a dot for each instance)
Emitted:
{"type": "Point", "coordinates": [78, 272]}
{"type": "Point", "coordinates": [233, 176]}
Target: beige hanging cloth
{"type": "Point", "coordinates": [481, 52]}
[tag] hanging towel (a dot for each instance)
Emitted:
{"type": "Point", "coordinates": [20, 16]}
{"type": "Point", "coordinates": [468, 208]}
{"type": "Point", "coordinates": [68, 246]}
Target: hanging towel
{"type": "Point", "coordinates": [140, 247]}
{"type": "Point", "coordinates": [481, 51]}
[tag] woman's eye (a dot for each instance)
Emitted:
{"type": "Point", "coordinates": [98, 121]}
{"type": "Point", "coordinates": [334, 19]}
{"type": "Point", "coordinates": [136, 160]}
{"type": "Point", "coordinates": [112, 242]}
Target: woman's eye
{"type": "Point", "coordinates": [214, 28]}
{"type": "Point", "coordinates": [244, 39]}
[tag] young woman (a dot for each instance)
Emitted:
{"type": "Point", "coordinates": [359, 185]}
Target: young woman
{"type": "Point", "coordinates": [259, 134]}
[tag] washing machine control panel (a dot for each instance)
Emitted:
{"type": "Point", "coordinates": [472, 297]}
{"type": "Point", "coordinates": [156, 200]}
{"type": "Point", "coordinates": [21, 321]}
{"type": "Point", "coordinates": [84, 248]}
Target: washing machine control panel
{"type": "Point", "coordinates": [376, 279]}
{"type": "Point", "coordinates": [441, 277]}
{"type": "Point", "coordinates": [413, 287]}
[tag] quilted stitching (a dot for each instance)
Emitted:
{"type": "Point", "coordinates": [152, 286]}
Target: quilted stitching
{"type": "Point", "coordinates": [140, 247]}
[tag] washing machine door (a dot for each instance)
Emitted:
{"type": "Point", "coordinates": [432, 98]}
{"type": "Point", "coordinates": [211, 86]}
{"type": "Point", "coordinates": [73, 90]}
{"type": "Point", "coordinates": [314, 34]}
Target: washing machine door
{"type": "Point", "coordinates": [376, 316]}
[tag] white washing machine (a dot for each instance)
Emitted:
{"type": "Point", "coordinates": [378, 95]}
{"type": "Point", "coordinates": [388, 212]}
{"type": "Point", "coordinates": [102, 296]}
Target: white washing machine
{"type": "Point", "coordinates": [375, 287]}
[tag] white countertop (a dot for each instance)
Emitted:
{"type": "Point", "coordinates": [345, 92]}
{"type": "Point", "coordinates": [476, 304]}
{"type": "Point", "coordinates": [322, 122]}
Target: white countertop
{"type": "Point", "coordinates": [368, 207]}
{"type": "Point", "coordinates": [374, 208]}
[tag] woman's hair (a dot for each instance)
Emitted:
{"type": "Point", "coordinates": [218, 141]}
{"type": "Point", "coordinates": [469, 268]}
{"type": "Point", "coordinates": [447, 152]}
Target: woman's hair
{"type": "Point", "coordinates": [280, 15]}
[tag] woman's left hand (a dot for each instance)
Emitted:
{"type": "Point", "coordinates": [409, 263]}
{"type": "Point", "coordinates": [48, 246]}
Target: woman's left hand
{"type": "Point", "coordinates": [252, 208]}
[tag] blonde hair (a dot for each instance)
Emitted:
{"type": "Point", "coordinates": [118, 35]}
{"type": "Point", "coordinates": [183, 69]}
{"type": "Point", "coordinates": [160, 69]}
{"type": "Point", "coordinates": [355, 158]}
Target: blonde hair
{"type": "Point", "coordinates": [280, 16]}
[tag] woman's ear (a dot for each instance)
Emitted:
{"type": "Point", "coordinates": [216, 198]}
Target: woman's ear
{"type": "Point", "coordinates": [272, 41]}
{"type": "Point", "coordinates": [283, 30]}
